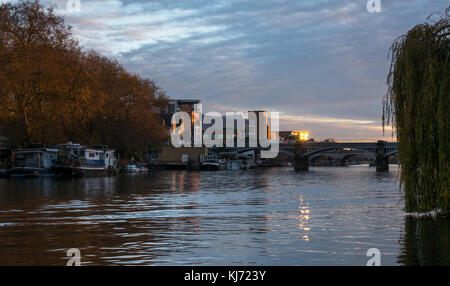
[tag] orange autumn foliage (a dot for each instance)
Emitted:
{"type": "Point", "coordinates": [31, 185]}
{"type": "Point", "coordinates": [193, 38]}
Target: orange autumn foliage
{"type": "Point", "coordinates": [52, 91]}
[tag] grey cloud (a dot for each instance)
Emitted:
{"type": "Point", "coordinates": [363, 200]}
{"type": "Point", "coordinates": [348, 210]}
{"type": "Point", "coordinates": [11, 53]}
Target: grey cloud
{"type": "Point", "coordinates": [323, 58]}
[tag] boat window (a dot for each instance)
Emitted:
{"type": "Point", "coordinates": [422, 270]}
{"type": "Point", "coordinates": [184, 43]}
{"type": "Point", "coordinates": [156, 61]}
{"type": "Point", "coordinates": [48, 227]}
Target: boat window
{"type": "Point", "coordinates": [91, 155]}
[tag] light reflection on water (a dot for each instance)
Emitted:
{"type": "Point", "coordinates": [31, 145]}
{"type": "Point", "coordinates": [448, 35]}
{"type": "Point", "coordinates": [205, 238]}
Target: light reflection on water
{"type": "Point", "coordinates": [328, 216]}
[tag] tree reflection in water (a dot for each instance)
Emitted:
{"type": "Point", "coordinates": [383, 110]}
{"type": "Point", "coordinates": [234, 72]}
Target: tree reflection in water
{"type": "Point", "coordinates": [426, 241]}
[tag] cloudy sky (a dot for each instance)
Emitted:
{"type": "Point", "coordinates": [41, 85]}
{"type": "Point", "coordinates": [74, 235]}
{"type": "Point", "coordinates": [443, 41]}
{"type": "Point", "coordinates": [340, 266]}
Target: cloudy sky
{"type": "Point", "coordinates": [321, 63]}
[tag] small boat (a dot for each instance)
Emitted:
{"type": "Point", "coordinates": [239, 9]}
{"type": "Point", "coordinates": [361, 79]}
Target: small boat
{"type": "Point", "coordinates": [133, 168]}
{"type": "Point", "coordinates": [210, 166]}
{"type": "Point", "coordinates": [213, 165]}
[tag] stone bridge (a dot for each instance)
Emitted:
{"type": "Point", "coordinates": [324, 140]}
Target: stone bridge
{"type": "Point", "coordinates": [302, 152]}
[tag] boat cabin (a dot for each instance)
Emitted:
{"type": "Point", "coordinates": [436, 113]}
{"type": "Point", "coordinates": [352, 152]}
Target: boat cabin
{"type": "Point", "coordinates": [98, 156]}
{"type": "Point", "coordinates": [36, 159]}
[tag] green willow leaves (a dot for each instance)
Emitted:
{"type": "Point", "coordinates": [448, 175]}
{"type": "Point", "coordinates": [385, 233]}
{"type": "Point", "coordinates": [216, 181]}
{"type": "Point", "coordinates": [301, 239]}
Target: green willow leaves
{"type": "Point", "coordinates": [417, 106]}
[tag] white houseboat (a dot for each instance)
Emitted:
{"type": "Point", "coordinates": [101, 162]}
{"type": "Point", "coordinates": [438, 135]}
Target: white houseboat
{"type": "Point", "coordinates": [75, 160]}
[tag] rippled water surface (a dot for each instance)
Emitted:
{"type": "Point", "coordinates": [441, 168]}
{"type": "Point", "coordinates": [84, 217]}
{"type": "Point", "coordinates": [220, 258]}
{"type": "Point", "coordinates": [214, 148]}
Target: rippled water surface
{"type": "Point", "coordinates": [328, 216]}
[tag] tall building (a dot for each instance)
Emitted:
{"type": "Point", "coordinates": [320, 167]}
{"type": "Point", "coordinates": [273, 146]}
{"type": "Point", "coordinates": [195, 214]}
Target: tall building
{"type": "Point", "coordinates": [262, 119]}
{"type": "Point", "coordinates": [181, 105]}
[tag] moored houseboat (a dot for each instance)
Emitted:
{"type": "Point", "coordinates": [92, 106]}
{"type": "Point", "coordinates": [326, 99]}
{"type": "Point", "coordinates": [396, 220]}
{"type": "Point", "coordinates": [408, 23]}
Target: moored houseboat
{"type": "Point", "coordinates": [35, 162]}
{"type": "Point", "coordinates": [75, 160]}
{"type": "Point", "coordinates": [5, 162]}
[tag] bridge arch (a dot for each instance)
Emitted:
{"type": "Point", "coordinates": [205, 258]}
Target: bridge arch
{"type": "Point", "coordinates": [347, 156]}
{"type": "Point", "coordinates": [287, 152]}
{"type": "Point", "coordinates": [391, 154]}
{"type": "Point", "coordinates": [313, 158]}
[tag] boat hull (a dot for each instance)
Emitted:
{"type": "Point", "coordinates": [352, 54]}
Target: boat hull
{"type": "Point", "coordinates": [4, 173]}
{"type": "Point", "coordinates": [136, 171]}
{"type": "Point", "coordinates": [30, 173]}
{"type": "Point", "coordinates": [212, 167]}
{"type": "Point", "coordinates": [83, 172]}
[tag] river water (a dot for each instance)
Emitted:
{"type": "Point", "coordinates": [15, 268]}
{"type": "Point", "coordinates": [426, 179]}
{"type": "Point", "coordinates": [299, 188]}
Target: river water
{"type": "Point", "coordinates": [327, 216]}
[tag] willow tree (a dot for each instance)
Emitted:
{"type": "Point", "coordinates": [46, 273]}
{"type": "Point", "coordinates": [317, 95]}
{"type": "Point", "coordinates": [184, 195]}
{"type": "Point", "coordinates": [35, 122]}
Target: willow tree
{"type": "Point", "coordinates": [417, 106]}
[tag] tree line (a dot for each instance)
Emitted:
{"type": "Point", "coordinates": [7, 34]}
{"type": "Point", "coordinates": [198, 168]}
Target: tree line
{"type": "Point", "coordinates": [53, 91]}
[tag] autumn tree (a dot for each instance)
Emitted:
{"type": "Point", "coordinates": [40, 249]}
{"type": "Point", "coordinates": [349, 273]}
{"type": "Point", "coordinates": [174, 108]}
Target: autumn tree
{"type": "Point", "coordinates": [52, 91]}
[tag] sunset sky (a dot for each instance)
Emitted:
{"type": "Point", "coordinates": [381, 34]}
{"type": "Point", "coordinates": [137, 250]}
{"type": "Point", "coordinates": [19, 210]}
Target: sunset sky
{"type": "Point", "coordinates": [322, 64]}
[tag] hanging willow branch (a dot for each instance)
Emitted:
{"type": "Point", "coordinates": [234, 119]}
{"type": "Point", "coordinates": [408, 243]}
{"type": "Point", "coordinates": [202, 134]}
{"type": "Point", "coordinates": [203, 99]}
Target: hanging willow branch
{"type": "Point", "coordinates": [417, 106]}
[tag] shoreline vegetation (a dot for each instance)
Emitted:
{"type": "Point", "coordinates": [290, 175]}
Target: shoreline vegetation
{"type": "Point", "coordinates": [416, 105]}
{"type": "Point", "coordinates": [53, 91]}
